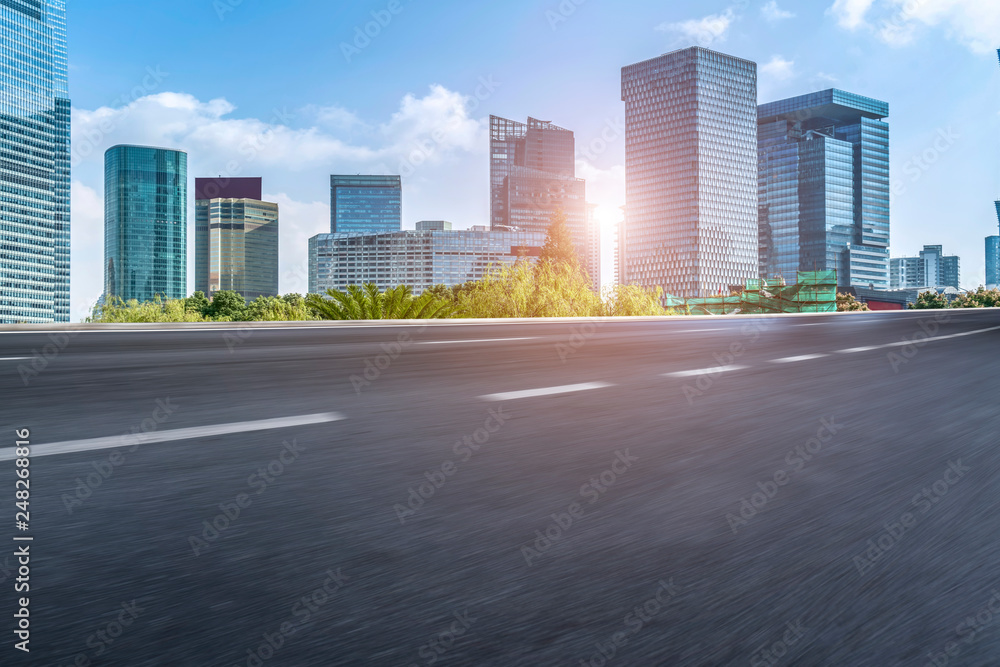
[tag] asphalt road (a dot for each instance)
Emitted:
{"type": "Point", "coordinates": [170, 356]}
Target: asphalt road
{"type": "Point", "coordinates": [811, 490]}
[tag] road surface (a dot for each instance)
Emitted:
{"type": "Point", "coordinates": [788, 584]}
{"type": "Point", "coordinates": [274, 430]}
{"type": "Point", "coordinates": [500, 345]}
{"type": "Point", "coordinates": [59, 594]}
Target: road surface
{"type": "Point", "coordinates": [808, 490]}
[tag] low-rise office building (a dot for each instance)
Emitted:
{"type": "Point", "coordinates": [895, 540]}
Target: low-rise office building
{"type": "Point", "coordinates": [418, 258]}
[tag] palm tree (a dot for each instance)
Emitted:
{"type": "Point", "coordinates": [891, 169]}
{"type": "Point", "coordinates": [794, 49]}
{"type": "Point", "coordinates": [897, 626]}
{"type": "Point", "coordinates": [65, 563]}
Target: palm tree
{"type": "Point", "coordinates": [368, 303]}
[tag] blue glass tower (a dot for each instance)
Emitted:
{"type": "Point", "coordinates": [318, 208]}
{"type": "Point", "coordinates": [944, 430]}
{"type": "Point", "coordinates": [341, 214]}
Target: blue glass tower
{"type": "Point", "coordinates": [145, 223]}
{"type": "Point", "coordinates": [993, 261]}
{"type": "Point", "coordinates": [690, 172]}
{"type": "Point", "coordinates": [35, 168]}
{"type": "Point", "coordinates": [366, 204]}
{"type": "Point", "coordinates": [823, 187]}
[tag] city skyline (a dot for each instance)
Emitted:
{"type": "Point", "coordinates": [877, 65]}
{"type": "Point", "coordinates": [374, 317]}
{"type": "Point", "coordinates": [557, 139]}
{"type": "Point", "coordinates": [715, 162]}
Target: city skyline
{"type": "Point", "coordinates": [340, 126]}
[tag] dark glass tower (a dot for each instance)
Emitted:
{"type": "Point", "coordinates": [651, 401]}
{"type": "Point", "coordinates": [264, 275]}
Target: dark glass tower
{"type": "Point", "coordinates": [366, 204]}
{"type": "Point", "coordinates": [236, 238]}
{"type": "Point", "coordinates": [824, 187]}
{"type": "Point", "coordinates": [532, 175]}
{"type": "Point", "coordinates": [35, 164]}
{"type": "Point", "coordinates": [145, 223]}
{"type": "Point", "coordinates": [690, 172]}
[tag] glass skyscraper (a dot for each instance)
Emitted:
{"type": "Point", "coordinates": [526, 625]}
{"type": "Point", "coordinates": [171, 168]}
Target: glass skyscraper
{"type": "Point", "coordinates": [236, 238]}
{"type": "Point", "coordinates": [992, 261]}
{"type": "Point", "coordinates": [690, 172]}
{"type": "Point", "coordinates": [35, 164]}
{"type": "Point", "coordinates": [366, 204]}
{"type": "Point", "coordinates": [145, 223]}
{"type": "Point", "coordinates": [824, 188]}
{"type": "Point", "coordinates": [532, 175]}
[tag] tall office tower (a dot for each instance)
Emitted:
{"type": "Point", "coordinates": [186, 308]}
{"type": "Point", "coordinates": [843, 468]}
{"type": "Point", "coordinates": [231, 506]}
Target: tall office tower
{"type": "Point", "coordinates": [992, 262]}
{"type": "Point", "coordinates": [235, 238]}
{"type": "Point", "coordinates": [691, 172]}
{"type": "Point", "coordinates": [532, 175]}
{"type": "Point", "coordinates": [35, 164]}
{"type": "Point", "coordinates": [145, 223]}
{"type": "Point", "coordinates": [941, 270]}
{"type": "Point", "coordinates": [824, 187]}
{"type": "Point", "coordinates": [932, 268]}
{"type": "Point", "coordinates": [366, 204]}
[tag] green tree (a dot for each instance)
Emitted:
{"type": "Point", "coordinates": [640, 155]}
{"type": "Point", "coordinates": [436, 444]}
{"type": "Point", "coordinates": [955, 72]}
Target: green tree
{"type": "Point", "coordinates": [981, 298]}
{"type": "Point", "coordinates": [846, 303]}
{"type": "Point", "coordinates": [633, 301]}
{"type": "Point", "coordinates": [227, 306]}
{"type": "Point", "coordinates": [197, 303]}
{"type": "Point", "coordinates": [930, 301]}
{"type": "Point", "coordinates": [559, 247]}
{"type": "Point", "coordinates": [116, 311]}
{"type": "Point", "coordinates": [368, 303]}
{"type": "Point", "coordinates": [546, 289]}
{"type": "Point", "coordinates": [289, 308]}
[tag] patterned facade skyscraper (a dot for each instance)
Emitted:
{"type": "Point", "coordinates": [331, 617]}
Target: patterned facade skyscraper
{"type": "Point", "coordinates": [145, 223]}
{"type": "Point", "coordinates": [235, 238]}
{"type": "Point", "coordinates": [824, 188]}
{"type": "Point", "coordinates": [690, 172]}
{"type": "Point", "coordinates": [532, 175]}
{"type": "Point", "coordinates": [35, 169]}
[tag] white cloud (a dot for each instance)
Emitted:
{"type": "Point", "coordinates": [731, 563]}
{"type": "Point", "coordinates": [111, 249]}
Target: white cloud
{"type": "Point", "coordinates": [773, 13]}
{"type": "Point", "coordinates": [704, 31]}
{"type": "Point", "coordinates": [973, 23]}
{"type": "Point", "coordinates": [778, 68]}
{"type": "Point", "coordinates": [432, 140]}
{"type": "Point", "coordinates": [851, 14]}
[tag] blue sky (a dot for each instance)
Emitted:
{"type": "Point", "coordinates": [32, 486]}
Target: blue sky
{"type": "Point", "coordinates": [288, 91]}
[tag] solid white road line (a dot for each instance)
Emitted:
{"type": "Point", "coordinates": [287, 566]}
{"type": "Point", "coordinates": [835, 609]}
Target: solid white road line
{"type": "Point", "coordinates": [700, 330]}
{"type": "Point", "coordinates": [131, 440]}
{"type": "Point", "coordinates": [920, 341]}
{"type": "Point", "coordinates": [14, 358]}
{"type": "Point", "coordinates": [804, 357]}
{"type": "Point", "coordinates": [483, 340]}
{"type": "Point", "coordinates": [705, 371]}
{"type": "Point", "coordinates": [546, 391]}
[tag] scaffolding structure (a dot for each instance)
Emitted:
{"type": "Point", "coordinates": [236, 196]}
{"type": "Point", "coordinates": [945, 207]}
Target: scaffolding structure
{"type": "Point", "coordinates": [813, 292]}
